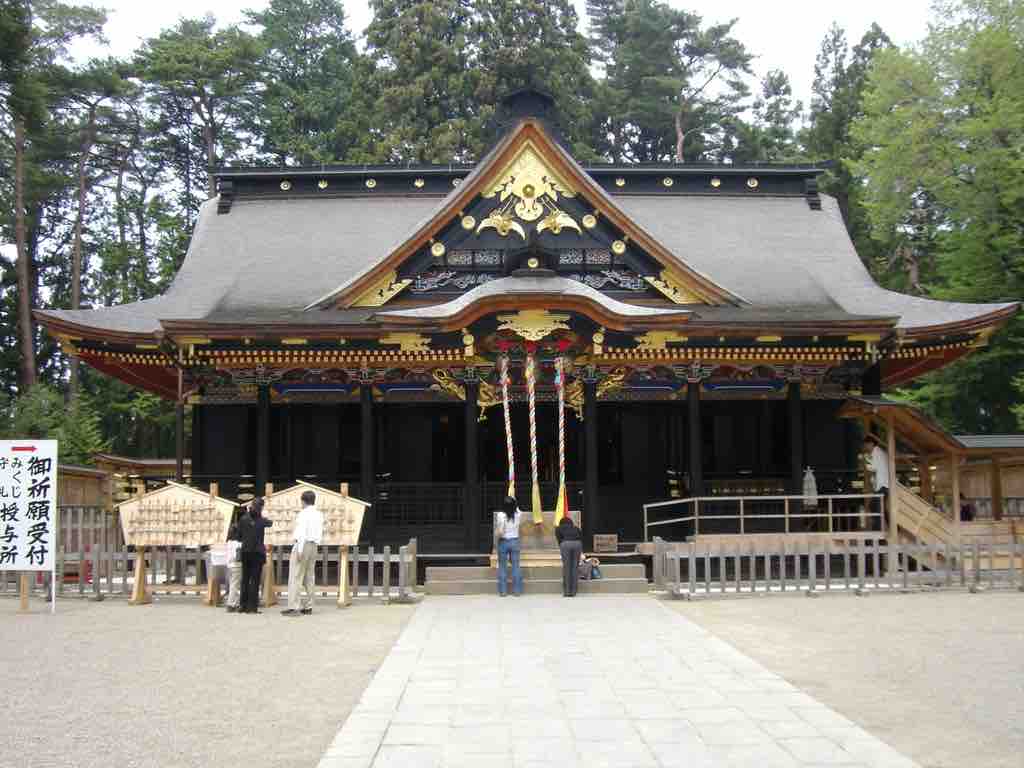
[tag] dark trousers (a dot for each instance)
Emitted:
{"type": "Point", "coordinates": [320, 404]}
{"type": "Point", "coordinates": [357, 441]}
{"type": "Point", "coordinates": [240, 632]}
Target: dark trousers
{"type": "Point", "coordinates": [571, 551]}
{"type": "Point", "coordinates": [252, 569]}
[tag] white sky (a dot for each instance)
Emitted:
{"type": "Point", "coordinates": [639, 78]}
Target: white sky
{"type": "Point", "coordinates": [784, 35]}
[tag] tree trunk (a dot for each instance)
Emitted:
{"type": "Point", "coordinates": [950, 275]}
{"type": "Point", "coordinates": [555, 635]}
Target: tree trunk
{"type": "Point", "coordinates": [88, 135]}
{"type": "Point", "coordinates": [211, 181]}
{"type": "Point", "coordinates": [680, 135]}
{"type": "Point", "coordinates": [26, 326]}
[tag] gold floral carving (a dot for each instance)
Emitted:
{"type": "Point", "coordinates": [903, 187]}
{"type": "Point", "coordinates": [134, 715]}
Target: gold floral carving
{"type": "Point", "coordinates": [382, 291]}
{"type": "Point", "coordinates": [408, 342]}
{"type": "Point", "coordinates": [658, 339]}
{"type": "Point", "coordinates": [487, 396]}
{"type": "Point", "coordinates": [672, 288]}
{"type": "Point", "coordinates": [533, 324]}
{"type": "Point", "coordinates": [574, 397]}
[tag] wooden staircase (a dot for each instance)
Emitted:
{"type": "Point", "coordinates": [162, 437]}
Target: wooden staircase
{"type": "Point", "coordinates": [918, 522]}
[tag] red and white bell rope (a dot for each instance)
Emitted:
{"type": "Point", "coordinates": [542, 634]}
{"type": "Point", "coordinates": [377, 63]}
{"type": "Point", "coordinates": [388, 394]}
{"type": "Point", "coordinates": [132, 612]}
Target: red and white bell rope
{"type": "Point", "coordinates": [508, 428]}
{"type": "Point", "coordinates": [531, 389]}
{"type": "Point", "coordinates": [562, 505]}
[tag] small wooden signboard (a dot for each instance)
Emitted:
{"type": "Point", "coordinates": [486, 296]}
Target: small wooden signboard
{"type": "Point", "coordinates": [606, 542]}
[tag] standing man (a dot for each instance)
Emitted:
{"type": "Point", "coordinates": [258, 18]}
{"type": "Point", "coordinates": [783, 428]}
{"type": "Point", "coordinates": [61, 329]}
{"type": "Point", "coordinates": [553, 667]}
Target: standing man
{"type": "Point", "coordinates": [878, 465]}
{"type": "Point", "coordinates": [309, 532]}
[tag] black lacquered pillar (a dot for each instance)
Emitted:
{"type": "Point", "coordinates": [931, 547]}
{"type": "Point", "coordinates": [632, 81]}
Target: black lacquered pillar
{"type": "Point", "coordinates": [367, 470]}
{"type": "Point", "coordinates": [471, 503]}
{"type": "Point", "coordinates": [592, 505]}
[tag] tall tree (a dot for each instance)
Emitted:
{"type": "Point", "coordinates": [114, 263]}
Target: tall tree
{"type": "Point", "coordinates": [672, 84]}
{"type": "Point", "coordinates": [537, 43]}
{"type": "Point", "coordinates": [423, 82]}
{"type": "Point", "coordinates": [770, 134]}
{"type": "Point", "coordinates": [198, 71]}
{"type": "Point", "coordinates": [940, 142]}
{"type": "Point", "coordinates": [306, 70]}
{"type": "Point", "coordinates": [38, 33]}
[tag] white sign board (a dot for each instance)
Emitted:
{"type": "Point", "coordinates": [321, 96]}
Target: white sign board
{"type": "Point", "coordinates": [28, 504]}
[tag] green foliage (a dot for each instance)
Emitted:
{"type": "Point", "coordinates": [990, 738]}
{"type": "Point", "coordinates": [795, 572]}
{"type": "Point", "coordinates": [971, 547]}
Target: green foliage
{"type": "Point", "coordinates": [939, 147]}
{"type": "Point", "coordinates": [306, 69]}
{"type": "Point", "coordinates": [41, 413]}
{"type": "Point", "coordinates": [672, 86]}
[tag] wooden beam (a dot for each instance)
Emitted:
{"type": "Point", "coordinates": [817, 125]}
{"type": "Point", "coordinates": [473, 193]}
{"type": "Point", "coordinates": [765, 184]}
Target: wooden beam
{"type": "Point", "coordinates": [591, 506]}
{"type": "Point", "coordinates": [954, 474]}
{"type": "Point", "coordinates": [471, 508]}
{"type": "Point", "coordinates": [893, 532]}
{"type": "Point", "coordinates": [997, 489]}
{"type": "Point", "coordinates": [924, 469]}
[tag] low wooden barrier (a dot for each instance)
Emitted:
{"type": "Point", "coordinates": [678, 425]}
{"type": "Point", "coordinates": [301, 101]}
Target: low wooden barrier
{"type": "Point", "coordinates": [345, 572]}
{"type": "Point", "coordinates": [704, 569]}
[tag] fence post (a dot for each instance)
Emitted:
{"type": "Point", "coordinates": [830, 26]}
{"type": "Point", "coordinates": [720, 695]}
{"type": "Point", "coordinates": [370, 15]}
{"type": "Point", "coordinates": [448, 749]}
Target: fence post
{"type": "Point", "coordinates": [677, 571]}
{"type": "Point", "coordinates": [812, 569]}
{"type": "Point", "coordinates": [742, 522]}
{"type": "Point", "coordinates": [738, 567]}
{"type": "Point", "coordinates": [97, 593]}
{"type": "Point", "coordinates": [369, 571]}
{"type": "Point", "coordinates": [830, 525]}
{"type": "Point", "coordinates": [696, 517]}
{"type": "Point", "coordinates": [1013, 560]}
{"type": "Point", "coordinates": [977, 564]}
{"type": "Point", "coordinates": [656, 564]}
{"type": "Point", "coordinates": [355, 571]}
{"type": "Point", "coordinates": [386, 575]}
{"type": "Point", "coordinates": [344, 598]}
{"type": "Point", "coordinates": [413, 555]}
{"type": "Point", "coordinates": [722, 560]}
{"type": "Point", "coordinates": [860, 566]}
{"type": "Point", "coordinates": [785, 514]}
{"type": "Point", "coordinates": [403, 572]}
{"type": "Point", "coordinates": [692, 567]}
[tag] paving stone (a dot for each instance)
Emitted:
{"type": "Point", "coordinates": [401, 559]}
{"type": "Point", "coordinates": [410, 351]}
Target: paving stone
{"type": "Point", "coordinates": [538, 683]}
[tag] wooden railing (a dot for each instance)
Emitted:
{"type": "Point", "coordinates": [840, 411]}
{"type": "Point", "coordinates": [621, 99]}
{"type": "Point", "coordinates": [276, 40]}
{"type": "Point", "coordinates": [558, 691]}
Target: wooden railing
{"type": "Point", "coordinates": [705, 569]}
{"type": "Point", "coordinates": [766, 514]}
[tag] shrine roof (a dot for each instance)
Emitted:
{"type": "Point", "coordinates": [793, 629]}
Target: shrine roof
{"type": "Point", "coordinates": [274, 256]}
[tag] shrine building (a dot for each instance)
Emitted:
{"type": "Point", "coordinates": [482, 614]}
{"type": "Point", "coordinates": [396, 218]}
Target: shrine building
{"type": "Point", "coordinates": [351, 324]}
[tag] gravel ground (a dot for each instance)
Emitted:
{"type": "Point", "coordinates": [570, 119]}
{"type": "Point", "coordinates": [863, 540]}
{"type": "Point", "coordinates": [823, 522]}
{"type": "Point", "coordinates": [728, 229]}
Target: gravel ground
{"type": "Point", "coordinates": [178, 684]}
{"type": "Point", "coordinates": [940, 677]}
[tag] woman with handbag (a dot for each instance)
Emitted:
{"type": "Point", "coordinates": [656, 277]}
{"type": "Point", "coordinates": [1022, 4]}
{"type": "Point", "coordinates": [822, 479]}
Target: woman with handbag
{"type": "Point", "coordinates": [506, 540]}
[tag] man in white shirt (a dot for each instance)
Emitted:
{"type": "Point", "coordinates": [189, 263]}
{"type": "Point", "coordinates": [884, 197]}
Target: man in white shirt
{"type": "Point", "coordinates": [309, 532]}
{"type": "Point", "coordinates": [878, 465]}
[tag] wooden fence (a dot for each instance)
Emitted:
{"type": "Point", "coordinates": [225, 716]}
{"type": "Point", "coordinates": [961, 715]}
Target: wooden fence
{"type": "Point", "coordinates": [704, 569]}
{"type": "Point", "coordinates": [98, 564]}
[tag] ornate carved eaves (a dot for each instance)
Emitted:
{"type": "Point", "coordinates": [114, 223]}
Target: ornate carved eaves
{"type": "Point", "coordinates": [408, 342]}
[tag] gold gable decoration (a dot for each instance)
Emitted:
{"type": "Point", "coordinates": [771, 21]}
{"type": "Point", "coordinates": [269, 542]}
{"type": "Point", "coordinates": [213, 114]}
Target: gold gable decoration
{"type": "Point", "coordinates": [343, 515]}
{"type": "Point", "coordinates": [175, 516]}
{"type": "Point", "coordinates": [529, 189]}
{"type": "Point", "coordinates": [673, 288]}
{"type": "Point", "coordinates": [382, 291]}
{"type": "Point", "coordinates": [407, 341]}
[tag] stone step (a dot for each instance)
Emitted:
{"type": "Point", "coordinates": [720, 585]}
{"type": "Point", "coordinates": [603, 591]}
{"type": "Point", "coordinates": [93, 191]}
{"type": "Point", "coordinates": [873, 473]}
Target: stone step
{"type": "Point", "coordinates": [538, 587]}
{"type": "Point", "coordinates": [461, 573]}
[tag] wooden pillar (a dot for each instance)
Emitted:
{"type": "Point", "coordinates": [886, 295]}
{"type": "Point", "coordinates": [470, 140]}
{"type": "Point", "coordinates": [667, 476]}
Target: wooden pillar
{"type": "Point", "coordinates": [262, 439]}
{"type": "Point", "coordinates": [794, 407]}
{"type": "Point", "coordinates": [591, 506]}
{"type": "Point", "coordinates": [471, 505]}
{"type": "Point", "coordinates": [954, 475]}
{"type": "Point", "coordinates": [997, 489]}
{"type": "Point", "coordinates": [179, 441]}
{"type": "Point", "coordinates": [696, 441]}
{"type": "Point", "coordinates": [196, 467]}
{"type": "Point", "coordinates": [367, 455]}
{"type": "Point", "coordinates": [871, 381]}
{"type": "Point", "coordinates": [890, 429]}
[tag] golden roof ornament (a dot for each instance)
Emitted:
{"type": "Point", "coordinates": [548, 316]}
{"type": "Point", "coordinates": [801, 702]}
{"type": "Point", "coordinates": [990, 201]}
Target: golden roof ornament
{"type": "Point", "coordinates": [533, 324]}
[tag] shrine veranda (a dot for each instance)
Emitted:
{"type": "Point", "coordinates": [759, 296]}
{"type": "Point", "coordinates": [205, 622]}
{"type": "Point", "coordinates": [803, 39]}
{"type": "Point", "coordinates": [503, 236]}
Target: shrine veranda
{"type": "Point", "coordinates": [351, 325]}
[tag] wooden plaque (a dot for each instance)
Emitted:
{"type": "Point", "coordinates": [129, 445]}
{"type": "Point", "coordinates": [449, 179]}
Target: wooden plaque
{"type": "Point", "coordinates": [606, 542]}
{"type": "Point", "coordinates": [175, 516]}
{"type": "Point", "coordinates": [343, 515]}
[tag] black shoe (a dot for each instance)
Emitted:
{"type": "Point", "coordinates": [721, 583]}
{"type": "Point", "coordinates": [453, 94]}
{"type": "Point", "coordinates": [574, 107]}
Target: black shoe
{"type": "Point", "coordinates": [306, 611]}
{"type": "Point", "coordinates": [290, 612]}
{"type": "Point", "coordinates": [232, 609]}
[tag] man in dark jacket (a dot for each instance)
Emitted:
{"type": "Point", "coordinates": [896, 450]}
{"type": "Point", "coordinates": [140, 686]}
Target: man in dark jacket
{"type": "Point", "coordinates": [252, 526]}
{"type": "Point", "coordinates": [570, 543]}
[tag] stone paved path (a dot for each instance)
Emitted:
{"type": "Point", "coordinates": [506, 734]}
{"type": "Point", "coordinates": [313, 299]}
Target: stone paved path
{"type": "Point", "coordinates": [600, 681]}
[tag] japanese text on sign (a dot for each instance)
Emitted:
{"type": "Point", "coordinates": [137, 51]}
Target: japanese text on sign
{"type": "Point", "coordinates": [28, 504]}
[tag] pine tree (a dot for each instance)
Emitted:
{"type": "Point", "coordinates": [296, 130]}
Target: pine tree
{"type": "Point", "coordinates": [306, 71]}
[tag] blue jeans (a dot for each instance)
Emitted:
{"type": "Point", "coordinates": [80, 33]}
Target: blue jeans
{"type": "Point", "coordinates": [509, 548]}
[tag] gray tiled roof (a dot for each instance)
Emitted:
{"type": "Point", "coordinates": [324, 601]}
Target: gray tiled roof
{"type": "Point", "coordinates": [992, 442]}
{"type": "Point", "coordinates": [272, 258]}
